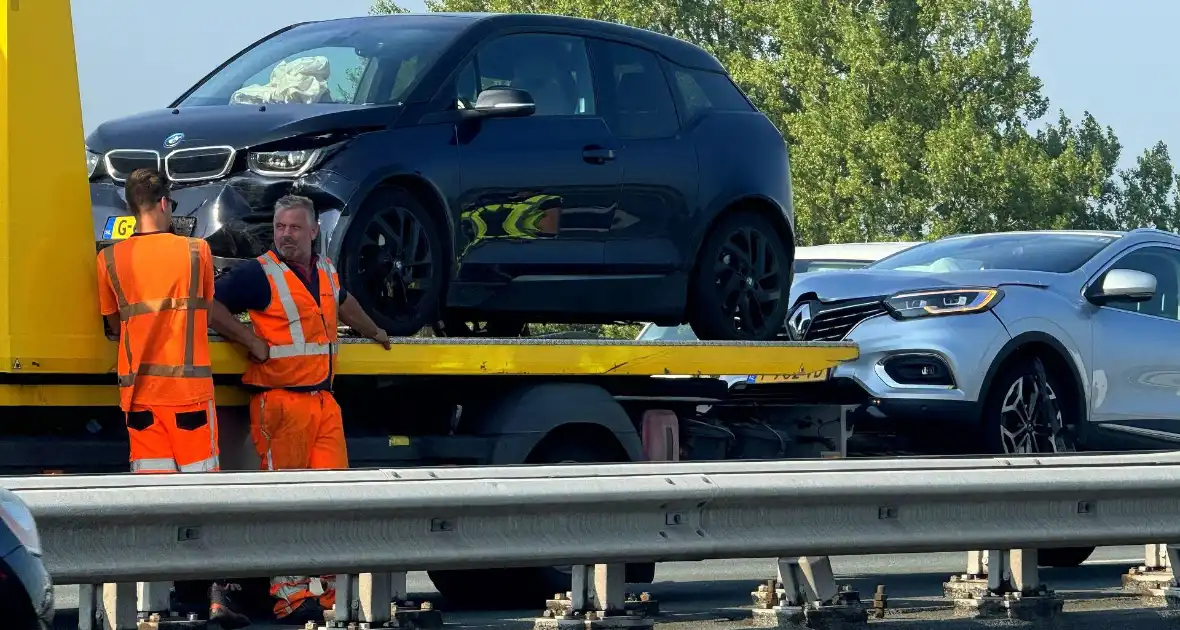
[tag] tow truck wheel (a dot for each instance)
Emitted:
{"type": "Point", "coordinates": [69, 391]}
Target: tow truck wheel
{"type": "Point", "coordinates": [500, 589]}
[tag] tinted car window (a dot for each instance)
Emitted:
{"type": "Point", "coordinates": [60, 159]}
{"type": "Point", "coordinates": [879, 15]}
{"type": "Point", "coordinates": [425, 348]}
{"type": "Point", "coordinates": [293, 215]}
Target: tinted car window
{"type": "Point", "coordinates": [325, 62]}
{"type": "Point", "coordinates": [1056, 253]}
{"type": "Point", "coordinates": [553, 69]}
{"type": "Point", "coordinates": [1164, 264]}
{"type": "Point", "coordinates": [632, 83]}
{"type": "Point", "coordinates": [700, 91]}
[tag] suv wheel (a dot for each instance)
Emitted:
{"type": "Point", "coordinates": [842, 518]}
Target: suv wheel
{"type": "Point", "coordinates": [1019, 420]}
{"type": "Point", "coordinates": [742, 281]}
{"type": "Point", "coordinates": [392, 261]}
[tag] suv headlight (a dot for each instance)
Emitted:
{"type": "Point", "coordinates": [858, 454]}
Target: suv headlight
{"type": "Point", "coordinates": [913, 304]}
{"type": "Point", "coordinates": [286, 163]}
{"type": "Point", "coordinates": [19, 519]}
{"type": "Point", "coordinates": [92, 161]}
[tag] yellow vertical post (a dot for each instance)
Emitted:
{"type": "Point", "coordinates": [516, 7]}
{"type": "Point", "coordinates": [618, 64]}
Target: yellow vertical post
{"type": "Point", "coordinates": [49, 321]}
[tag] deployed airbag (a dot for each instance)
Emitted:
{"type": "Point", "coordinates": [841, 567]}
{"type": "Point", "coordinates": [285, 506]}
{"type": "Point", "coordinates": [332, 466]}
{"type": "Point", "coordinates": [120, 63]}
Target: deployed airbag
{"type": "Point", "coordinates": [303, 80]}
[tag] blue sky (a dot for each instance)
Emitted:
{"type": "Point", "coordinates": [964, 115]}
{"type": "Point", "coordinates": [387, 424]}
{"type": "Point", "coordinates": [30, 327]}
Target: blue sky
{"type": "Point", "coordinates": [1115, 59]}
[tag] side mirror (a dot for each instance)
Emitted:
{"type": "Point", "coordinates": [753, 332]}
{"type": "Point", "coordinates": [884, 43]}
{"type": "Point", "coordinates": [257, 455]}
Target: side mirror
{"type": "Point", "coordinates": [1122, 285]}
{"type": "Point", "coordinates": [504, 102]}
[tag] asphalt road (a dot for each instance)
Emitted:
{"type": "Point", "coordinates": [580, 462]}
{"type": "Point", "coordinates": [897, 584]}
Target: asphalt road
{"type": "Point", "coordinates": [709, 595]}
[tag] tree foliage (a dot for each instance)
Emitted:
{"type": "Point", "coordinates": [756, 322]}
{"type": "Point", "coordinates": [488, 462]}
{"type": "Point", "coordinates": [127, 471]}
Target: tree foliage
{"type": "Point", "coordinates": [907, 119]}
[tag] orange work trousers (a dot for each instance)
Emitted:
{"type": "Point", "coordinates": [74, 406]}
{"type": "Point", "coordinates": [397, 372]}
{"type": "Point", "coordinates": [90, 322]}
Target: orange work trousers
{"type": "Point", "coordinates": [298, 430]}
{"type": "Point", "coordinates": [168, 439]}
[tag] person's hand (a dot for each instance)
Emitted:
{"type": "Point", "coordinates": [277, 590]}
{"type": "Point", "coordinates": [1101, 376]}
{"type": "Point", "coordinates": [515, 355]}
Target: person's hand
{"type": "Point", "coordinates": [382, 338]}
{"type": "Point", "coordinates": [259, 351]}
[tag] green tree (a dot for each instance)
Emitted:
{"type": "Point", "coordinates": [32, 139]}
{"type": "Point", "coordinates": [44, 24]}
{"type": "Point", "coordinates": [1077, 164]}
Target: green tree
{"type": "Point", "coordinates": [1147, 192]}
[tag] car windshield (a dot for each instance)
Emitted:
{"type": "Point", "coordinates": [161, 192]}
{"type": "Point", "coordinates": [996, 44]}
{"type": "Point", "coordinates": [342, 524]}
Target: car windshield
{"type": "Point", "coordinates": [1042, 251]}
{"type": "Point", "coordinates": [362, 61]}
{"type": "Point", "coordinates": [682, 332]}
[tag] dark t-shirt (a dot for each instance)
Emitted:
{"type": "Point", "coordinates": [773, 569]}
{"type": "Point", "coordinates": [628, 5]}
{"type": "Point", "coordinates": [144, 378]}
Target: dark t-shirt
{"type": "Point", "coordinates": [246, 288]}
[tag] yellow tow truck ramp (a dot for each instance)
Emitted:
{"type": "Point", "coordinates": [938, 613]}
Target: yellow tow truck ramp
{"type": "Point", "coordinates": [53, 348]}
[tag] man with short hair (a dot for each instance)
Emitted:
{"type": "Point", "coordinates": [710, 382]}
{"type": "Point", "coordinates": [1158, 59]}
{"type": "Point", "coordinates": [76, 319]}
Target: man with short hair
{"type": "Point", "coordinates": [294, 299]}
{"type": "Point", "coordinates": [155, 289]}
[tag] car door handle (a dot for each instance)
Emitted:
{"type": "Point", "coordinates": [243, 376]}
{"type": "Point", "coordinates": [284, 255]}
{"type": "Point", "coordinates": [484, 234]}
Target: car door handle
{"type": "Point", "coordinates": [598, 155]}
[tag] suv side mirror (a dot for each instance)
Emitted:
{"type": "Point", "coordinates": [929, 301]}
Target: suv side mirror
{"type": "Point", "coordinates": [1122, 285]}
{"type": "Point", "coordinates": [504, 102]}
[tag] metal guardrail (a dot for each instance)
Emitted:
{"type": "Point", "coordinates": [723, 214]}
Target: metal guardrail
{"type": "Point", "coordinates": [126, 528]}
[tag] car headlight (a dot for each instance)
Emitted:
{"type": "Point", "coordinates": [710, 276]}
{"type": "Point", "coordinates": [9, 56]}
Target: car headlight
{"type": "Point", "coordinates": [92, 161]}
{"type": "Point", "coordinates": [16, 514]}
{"type": "Point", "coordinates": [285, 163]}
{"type": "Point", "coordinates": [913, 304]}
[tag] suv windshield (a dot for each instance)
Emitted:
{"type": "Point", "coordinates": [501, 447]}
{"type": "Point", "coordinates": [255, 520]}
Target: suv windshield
{"type": "Point", "coordinates": [360, 61]}
{"type": "Point", "coordinates": [1041, 251]}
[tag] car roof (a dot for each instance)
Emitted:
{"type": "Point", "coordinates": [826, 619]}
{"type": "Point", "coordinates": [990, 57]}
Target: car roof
{"type": "Point", "coordinates": [676, 50]}
{"type": "Point", "coordinates": [852, 251]}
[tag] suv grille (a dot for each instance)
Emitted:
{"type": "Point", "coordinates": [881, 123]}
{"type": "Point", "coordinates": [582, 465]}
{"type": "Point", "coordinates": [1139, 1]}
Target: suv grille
{"type": "Point", "coordinates": [198, 163]}
{"type": "Point", "coordinates": [121, 162]}
{"type": "Point", "coordinates": [834, 322]}
{"type": "Point", "coordinates": [182, 165]}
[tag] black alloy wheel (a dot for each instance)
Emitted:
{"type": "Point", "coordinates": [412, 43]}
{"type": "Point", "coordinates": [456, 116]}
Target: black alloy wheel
{"type": "Point", "coordinates": [742, 281]}
{"type": "Point", "coordinates": [393, 262]}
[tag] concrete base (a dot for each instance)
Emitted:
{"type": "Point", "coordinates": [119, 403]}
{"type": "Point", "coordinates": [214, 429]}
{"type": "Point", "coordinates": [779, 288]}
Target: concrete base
{"type": "Point", "coordinates": [591, 621]}
{"type": "Point", "coordinates": [1032, 608]}
{"type": "Point", "coordinates": [163, 622]}
{"type": "Point", "coordinates": [965, 587]}
{"type": "Point", "coordinates": [1141, 580]}
{"type": "Point", "coordinates": [425, 617]}
{"type": "Point", "coordinates": [839, 617]}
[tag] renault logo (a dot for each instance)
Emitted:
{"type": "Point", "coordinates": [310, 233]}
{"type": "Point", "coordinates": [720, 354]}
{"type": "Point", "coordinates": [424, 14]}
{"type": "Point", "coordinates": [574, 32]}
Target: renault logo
{"type": "Point", "coordinates": [799, 322]}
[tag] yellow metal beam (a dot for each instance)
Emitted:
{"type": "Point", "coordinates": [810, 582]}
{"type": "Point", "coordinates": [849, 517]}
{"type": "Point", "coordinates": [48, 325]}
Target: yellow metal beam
{"type": "Point", "coordinates": [91, 396]}
{"type": "Point", "coordinates": [48, 314]}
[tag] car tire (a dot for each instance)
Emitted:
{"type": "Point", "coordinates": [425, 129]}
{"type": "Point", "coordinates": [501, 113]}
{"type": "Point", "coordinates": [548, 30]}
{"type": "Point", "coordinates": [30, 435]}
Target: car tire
{"type": "Point", "coordinates": [384, 272]}
{"type": "Point", "coordinates": [500, 589]}
{"type": "Point", "coordinates": [1006, 391]}
{"type": "Point", "coordinates": [725, 278]}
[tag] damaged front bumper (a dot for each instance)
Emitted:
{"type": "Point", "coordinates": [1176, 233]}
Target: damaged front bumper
{"type": "Point", "coordinates": [233, 214]}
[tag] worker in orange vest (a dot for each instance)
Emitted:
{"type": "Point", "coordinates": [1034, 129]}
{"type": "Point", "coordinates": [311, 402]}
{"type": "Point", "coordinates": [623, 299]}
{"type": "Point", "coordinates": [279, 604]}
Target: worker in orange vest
{"type": "Point", "coordinates": [155, 289]}
{"type": "Point", "coordinates": [294, 299]}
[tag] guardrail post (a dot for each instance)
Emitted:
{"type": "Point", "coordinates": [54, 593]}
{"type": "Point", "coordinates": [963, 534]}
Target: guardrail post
{"type": "Point", "coordinates": [806, 595]}
{"type": "Point", "coordinates": [597, 601]}
{"type": "Point", "coordinates": [1150, 579]}
{"type": "Point", "coordinates": [375, 591]}
{"type": "Point", "coordinates": [154, 597]}
{"type": "Point", "coordinates": [118, 607]}
{"type": "Point", "coordinates": [1014, 589]}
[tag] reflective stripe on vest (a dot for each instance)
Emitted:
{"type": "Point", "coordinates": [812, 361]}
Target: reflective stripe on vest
{"type": "Point", "coordinates": [298, 346]}
{"type": "Point", "coordinates": [192, 302]}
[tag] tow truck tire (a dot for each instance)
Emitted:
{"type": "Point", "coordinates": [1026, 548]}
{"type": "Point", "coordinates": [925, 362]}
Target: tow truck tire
{"type": "Point", "coordinates": [500, 589]}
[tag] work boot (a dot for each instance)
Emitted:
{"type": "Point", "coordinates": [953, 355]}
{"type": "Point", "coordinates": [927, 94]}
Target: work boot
{"type": "Point", "coordinates": [221, 608]}
{"type": "Point", "coordinates": [307, 610]}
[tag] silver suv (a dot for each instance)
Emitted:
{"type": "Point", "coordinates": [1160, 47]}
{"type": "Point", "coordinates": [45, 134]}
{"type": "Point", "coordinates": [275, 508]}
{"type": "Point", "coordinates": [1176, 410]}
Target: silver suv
{"type": "Point", "coordinates": [1019, 342]}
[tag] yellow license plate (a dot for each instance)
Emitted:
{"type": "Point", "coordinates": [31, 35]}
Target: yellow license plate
{"type": "Point", "coordinates": [118, 228]}
{"type": "Point", "coordinates": [807, 377]}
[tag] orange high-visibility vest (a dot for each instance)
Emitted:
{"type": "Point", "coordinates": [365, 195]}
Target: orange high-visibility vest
{"type": "Point", "coordinates": [163, 284]}
{"type": "Point", "coordinates": [299, 327]}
